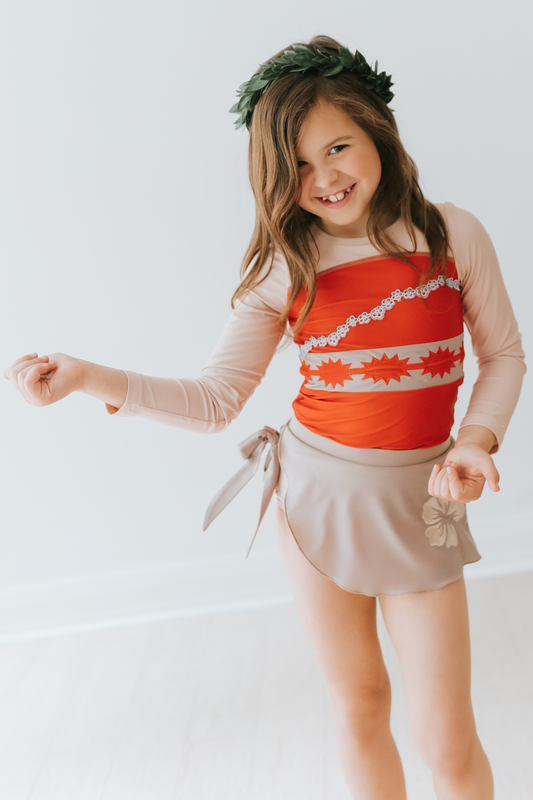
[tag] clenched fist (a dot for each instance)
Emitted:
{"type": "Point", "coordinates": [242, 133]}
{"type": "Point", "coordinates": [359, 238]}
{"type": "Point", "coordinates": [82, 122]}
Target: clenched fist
{"type": "Point", "coordinates": [45, 380]}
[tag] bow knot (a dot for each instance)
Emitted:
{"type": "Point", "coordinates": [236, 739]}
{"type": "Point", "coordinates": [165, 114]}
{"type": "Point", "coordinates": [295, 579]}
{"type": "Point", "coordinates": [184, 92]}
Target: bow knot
{"type": "Point", "coordinates": [251, 450]}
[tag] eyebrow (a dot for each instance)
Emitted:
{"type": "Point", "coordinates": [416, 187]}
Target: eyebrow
{"type": "Point", "coordinates": [338, 139]}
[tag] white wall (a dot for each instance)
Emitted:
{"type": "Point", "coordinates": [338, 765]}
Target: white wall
{"type": "Point", "coordinates": [125, 212]}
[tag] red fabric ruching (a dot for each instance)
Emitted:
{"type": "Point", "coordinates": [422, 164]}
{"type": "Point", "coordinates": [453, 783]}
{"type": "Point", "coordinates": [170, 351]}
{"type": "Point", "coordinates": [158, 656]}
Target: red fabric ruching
{"type": "Point", "coordinates": [402, 420]}
{"type": "Point", "coordinates": [394, 420]}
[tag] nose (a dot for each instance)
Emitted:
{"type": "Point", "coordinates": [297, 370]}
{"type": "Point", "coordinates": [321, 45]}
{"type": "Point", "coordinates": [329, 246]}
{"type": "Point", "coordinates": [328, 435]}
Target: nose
{"type": "Point", "coordinates": [324, 177]}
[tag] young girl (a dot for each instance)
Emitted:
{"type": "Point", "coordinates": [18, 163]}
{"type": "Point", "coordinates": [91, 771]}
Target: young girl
{"type": "Point", "coordinates": [373, 282]}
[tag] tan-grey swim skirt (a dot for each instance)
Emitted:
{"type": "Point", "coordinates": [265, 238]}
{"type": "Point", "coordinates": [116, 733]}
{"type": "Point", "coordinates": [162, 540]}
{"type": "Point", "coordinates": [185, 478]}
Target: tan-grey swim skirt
{"type": "Point", "coordinates": [362, 517]}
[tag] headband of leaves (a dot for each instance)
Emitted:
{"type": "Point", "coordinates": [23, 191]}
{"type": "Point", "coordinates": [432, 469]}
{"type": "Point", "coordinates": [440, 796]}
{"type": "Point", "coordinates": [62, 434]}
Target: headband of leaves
{"type": "Point", "coordinates": [301, 59]}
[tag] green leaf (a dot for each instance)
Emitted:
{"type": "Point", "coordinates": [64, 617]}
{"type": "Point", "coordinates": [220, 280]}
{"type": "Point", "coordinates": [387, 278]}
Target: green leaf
{"type": "Point", "coordinates": [257, 82]}
{"type": "Point", "coordinates": [333, 70]}
{"type": "Point", "coordinates": [347, 60]}
{"type": "Point", "coordinates": [299, 59]}
{"type": "Point", "coordinates": [303, 60]}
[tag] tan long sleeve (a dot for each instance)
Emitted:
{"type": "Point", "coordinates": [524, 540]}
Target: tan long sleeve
{"type": "Point", "coordinates": [489, 317]}
{"type": "Point", "coordinates": [245, 348]}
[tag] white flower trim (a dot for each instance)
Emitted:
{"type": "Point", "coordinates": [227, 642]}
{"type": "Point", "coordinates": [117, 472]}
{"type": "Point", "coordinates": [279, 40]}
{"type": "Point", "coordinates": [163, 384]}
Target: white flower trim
{"type": "Point", "coordinates": [441, 515]}
{"type": "Point", "coordinates": [378, 312]}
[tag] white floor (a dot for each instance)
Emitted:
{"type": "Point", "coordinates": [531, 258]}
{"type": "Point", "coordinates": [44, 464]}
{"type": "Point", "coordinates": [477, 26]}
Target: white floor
{"type": "Point", "coordinates": [233, 707]}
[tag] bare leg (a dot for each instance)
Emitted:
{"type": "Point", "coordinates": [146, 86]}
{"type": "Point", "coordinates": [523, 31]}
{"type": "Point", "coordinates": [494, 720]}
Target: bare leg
{"type": "Point", "coordinates": [341, 627]}
{"type": "Point", "coordinates": [430, 632]}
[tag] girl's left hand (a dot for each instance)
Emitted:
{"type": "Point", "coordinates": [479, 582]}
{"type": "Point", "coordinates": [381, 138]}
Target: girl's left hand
{"type": "Point", "coordinates": [463, 474]}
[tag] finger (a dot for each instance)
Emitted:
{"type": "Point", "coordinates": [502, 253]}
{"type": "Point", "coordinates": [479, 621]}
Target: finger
{"type": "Point", "coordinates": [23, 385]}
{"type": "Point", "coordinates": [457, 490]}
{"type": "Point", "coordinates": [30, 381]}
{"type": "Point", "coordinates": [23, 358]}
{"type": "Point", "coordinates": [431, 482]}
{"type": "Point", "coordinates": [493, 478]}
{"type": "Point", "coordinates": [13, 371]}
{"type": "Point", "coordinates": [34, 376]}
{"type": "Point", "coordinates": [445, 486]}
{"type": "Point", "coordinates": [441, 483]}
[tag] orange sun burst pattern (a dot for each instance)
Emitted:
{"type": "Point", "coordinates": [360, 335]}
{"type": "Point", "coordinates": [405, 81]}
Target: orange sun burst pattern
{"type": "Point", "coordinates": [440, 363]}
{"type": "Point", "coordinates": [308, 372]}
{"type": "Point", "coordinates": [387, 368]}
{"type": "Point", "coordinates": [333, 372]}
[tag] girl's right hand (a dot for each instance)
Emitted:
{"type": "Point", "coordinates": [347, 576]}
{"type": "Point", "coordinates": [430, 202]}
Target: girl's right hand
{"type": "Point", "coordinates": [45, 380]}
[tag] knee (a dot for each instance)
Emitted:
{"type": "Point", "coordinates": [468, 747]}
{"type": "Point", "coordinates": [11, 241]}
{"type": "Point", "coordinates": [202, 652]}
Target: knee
{"type": "Point", "coordinates": [362, 712]}
{"type": "Point", "coordinates": [448, 755]}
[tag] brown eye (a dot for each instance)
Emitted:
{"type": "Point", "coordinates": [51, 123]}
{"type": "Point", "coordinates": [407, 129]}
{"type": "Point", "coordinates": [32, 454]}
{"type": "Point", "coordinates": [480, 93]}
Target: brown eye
{"type": "Point", "coordinates": [300, 163]}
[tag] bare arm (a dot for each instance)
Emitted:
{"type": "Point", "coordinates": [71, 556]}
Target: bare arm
{"type": "Point", "coordinates": [46, 379]}
{"type": "Point", "coordinates": [476, 434]}
{"type": "Point", "coordinates": [104, 383]}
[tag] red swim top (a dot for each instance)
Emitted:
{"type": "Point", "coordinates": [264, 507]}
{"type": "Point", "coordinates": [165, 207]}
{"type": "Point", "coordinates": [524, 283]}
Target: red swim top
{"type": "Point", "coordinates": [382, 361]}
{"type": "Point", "coordinates": [389, 377]}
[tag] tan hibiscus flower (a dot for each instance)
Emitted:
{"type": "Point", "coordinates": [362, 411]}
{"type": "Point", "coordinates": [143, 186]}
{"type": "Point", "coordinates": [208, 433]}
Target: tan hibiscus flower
{"type": "Point", "coordinates": [441, 515]}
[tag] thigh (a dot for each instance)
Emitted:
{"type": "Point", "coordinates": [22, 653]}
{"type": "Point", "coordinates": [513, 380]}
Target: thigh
{"type": "Point", "coordinates": [430, 633]}
{"type": "Point", "coordinates": [340, 625]}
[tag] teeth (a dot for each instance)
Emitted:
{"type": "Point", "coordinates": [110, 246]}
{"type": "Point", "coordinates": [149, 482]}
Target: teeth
{"type": "Point", "coordinates": [333, 198]}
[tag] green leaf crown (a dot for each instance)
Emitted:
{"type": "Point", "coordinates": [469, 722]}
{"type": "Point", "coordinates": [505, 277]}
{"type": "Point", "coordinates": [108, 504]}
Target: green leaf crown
{"type": "Point", "coordinates": [302, 59]}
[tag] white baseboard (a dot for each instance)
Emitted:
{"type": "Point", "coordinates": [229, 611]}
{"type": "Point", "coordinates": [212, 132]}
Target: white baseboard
{"type": "Point", "coordinates": [190, 588]}
{"type": "Point", "coordinates": [205, 586]}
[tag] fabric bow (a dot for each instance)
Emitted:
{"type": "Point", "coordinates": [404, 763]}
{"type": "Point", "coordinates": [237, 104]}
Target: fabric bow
{"type": "Point", "coordinates": [250, 449]}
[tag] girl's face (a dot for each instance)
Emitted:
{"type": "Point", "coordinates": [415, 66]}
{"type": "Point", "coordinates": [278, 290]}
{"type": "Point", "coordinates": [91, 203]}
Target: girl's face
{"type": "Point", "coordinates": [340, 170]}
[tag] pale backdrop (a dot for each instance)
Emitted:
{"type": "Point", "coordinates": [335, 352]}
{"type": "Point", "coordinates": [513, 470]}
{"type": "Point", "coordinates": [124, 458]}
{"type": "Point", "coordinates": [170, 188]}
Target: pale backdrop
{"type": "Point", "coordinates": [125, 213]}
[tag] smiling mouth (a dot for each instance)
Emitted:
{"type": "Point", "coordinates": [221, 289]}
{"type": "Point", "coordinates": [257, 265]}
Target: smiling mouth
{"type": "Point", "coordinates": [331, 199]}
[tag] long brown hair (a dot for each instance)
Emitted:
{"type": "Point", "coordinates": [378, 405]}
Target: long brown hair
{"type": "Point", "coordinates": [282, 225]}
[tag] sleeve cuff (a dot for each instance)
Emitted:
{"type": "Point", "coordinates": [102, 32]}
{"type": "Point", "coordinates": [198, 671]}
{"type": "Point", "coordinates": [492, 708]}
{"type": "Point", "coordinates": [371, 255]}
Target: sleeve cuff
{"type": "Point", "coordinates": [486, 422]}
{"type": "Point", "coordinates": [133, 395]}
